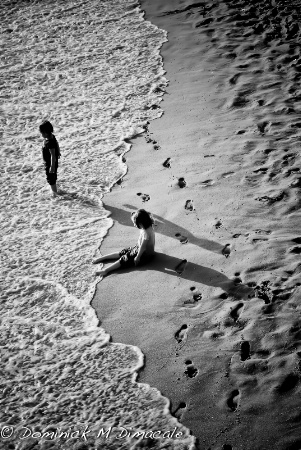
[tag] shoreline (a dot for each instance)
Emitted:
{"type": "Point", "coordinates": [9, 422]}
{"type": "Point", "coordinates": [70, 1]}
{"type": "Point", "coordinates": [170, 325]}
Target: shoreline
{"type": "Point", "coordinates": [209, 312]}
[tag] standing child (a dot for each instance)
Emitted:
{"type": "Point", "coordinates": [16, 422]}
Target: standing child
{"type": "Point", "coordinates": [141, 253]}
{"type": "Point", "coordinates": [51, 154]}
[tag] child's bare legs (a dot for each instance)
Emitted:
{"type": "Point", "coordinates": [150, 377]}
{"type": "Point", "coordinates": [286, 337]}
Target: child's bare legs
{"type": "Point", "coordinates": [108, 269]}
{"type": "Point", "coordinates": [115, 265]}
{"type": "Point", "coordinates": [103, 258]}
{"type": "Point", "coordinates": [54, 189]}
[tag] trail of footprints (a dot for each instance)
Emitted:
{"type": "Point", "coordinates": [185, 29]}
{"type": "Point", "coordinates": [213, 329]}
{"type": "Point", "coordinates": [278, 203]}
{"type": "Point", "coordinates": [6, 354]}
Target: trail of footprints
{"type": "Point", "coordinates": [181, 334]}
{"type": "Point", "coordinates": [265, 292]}
{"type": "Point", "coordinates": [269, 295]}
{"type": "Point", "coordinates": [148, 139]}
{"type": "Point", "coordinates": [269, 28]}
{"type": "Point", "coordinates": [283, 71]}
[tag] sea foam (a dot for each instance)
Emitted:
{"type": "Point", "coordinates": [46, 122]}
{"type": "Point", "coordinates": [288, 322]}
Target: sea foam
{"type": "Point", "coordinates": [93, 69]}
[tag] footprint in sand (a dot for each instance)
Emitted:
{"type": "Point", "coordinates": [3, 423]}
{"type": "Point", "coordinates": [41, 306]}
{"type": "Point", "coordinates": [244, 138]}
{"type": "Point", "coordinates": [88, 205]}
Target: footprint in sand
{"type": "Point", "coordinates": [196, 297]}
{"type": "Point", "coordinates": [297, 240]}
{"type": "Point", "coordinates": [237, 280]}
{"type": "Point", "coordinates": [296, 183]}
{"type": "Point", "coordinates": [226, 250]}
{"type": "Point", "coordinates": [240, 100]}
{"type": "Point", "coordinates": [271, 200]}
{"type": "Point", "coordinates": [181, 182]}
{"type": "Point", "coordinates": [289, 158]}
{"type": "Point", "coordinates": [233, 80]}
{"type": "Point", "coordinates": [236, 311]}
{"type": "Point", "coordinates": [182, 239]}
{"type": "Point", "coordinates": [289, 383]}
{"type": "Point", "coordinates": [190, 371]}
{"type": "Point", "coordinates": [228, 174]}
{"type": "Point", "coordinates": [261, 170]}
{"type": "Point", "coordinates": [264, 292]}
{"type": "Point", "coordinates": [262, 231]}
{"type": "Point", "coordinates": [262, 126]}
{"type": "Point", "coordinates": [296, 250]}
{"type": "Point", "coordinates": [189, 205]}
{"type": "Point", "coordinates": [166, 163]}
{"type": "Point", "coordinates": [218, 224]}
{"type": "Point", "coordinates": [144, 197]}
{"type": "Point", "coordinates": [233, 400]}
{"type": "Point", "coordinates": [149, 140]}
{"type": "Point", "coordinates": [204, 22]}
{"type": "Point", "coordinates": [181, 266]}
{"type": "Point", "coordinates": [181, 334]}
{"type": "Point", "coordinates": [207, 183]}
{"type": "Point", "coordinates": [268, 309]}
{"type": "Point", "coordinates": [245, 350]}
{"type": "Point", "coordinates": [259, 240]}
{"type": "Point", "coordinates": [292, 171]}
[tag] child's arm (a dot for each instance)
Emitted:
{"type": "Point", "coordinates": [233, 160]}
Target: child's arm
{"type": "Point", "coordinates": [53, 160]}
{"type": "Point", "coordinates": [58, 150]}
{"type": "Point", "coordinates": [140, 252]}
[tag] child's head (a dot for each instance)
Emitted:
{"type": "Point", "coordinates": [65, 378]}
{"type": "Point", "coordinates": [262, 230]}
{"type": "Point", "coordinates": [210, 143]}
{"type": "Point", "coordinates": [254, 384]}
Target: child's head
{"type": "Point", "coordinates": [46, 128]}
{"type": "Point", "coordinates": [142, 219]}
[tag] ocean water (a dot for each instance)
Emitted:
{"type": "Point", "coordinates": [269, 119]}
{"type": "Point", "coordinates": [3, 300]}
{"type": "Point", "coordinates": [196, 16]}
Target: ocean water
{"type": "Point", "coordinates": [93, 68]}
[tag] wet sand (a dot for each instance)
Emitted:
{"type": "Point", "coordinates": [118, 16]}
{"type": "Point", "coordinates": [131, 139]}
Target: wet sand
{"type": "Point", "coordinates": [216, 314]}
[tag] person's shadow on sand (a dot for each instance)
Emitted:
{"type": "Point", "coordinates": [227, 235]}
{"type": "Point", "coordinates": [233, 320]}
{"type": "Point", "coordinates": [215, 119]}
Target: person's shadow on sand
{"type": "Point", "coordinates": [195, 273]}
{"type": "Point", "coordinates": [164, 227]}
{"type": "Point", "coordinates": [199, 274]}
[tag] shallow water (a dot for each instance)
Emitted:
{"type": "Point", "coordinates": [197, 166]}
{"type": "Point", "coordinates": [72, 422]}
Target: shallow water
{"type": "Point", "coordinates": [94, 70]}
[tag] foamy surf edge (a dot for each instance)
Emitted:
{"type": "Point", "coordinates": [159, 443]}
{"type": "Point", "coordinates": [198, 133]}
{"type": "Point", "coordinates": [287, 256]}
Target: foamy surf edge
{"type": "Point", "coordinates": [62, 373]}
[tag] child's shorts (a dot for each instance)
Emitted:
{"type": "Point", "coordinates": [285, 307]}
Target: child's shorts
{"type": "Point", "coordinates": [127, 256]}
{"type": "Point", "coordinates": [51, 177]}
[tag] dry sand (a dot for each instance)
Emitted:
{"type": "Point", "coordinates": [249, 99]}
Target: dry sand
{"type": "Point", "coordinates": [217, 312]}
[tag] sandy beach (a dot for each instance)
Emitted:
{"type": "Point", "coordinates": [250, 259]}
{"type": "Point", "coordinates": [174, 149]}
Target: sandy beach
{"type": "Point", "coordinates": [216, 314]}
{"type": "Point", "coordinates": [191, 111]}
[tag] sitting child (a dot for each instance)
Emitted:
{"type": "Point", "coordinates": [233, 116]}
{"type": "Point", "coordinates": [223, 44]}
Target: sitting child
{"type": "Point", "coordinates": [141, 252]}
